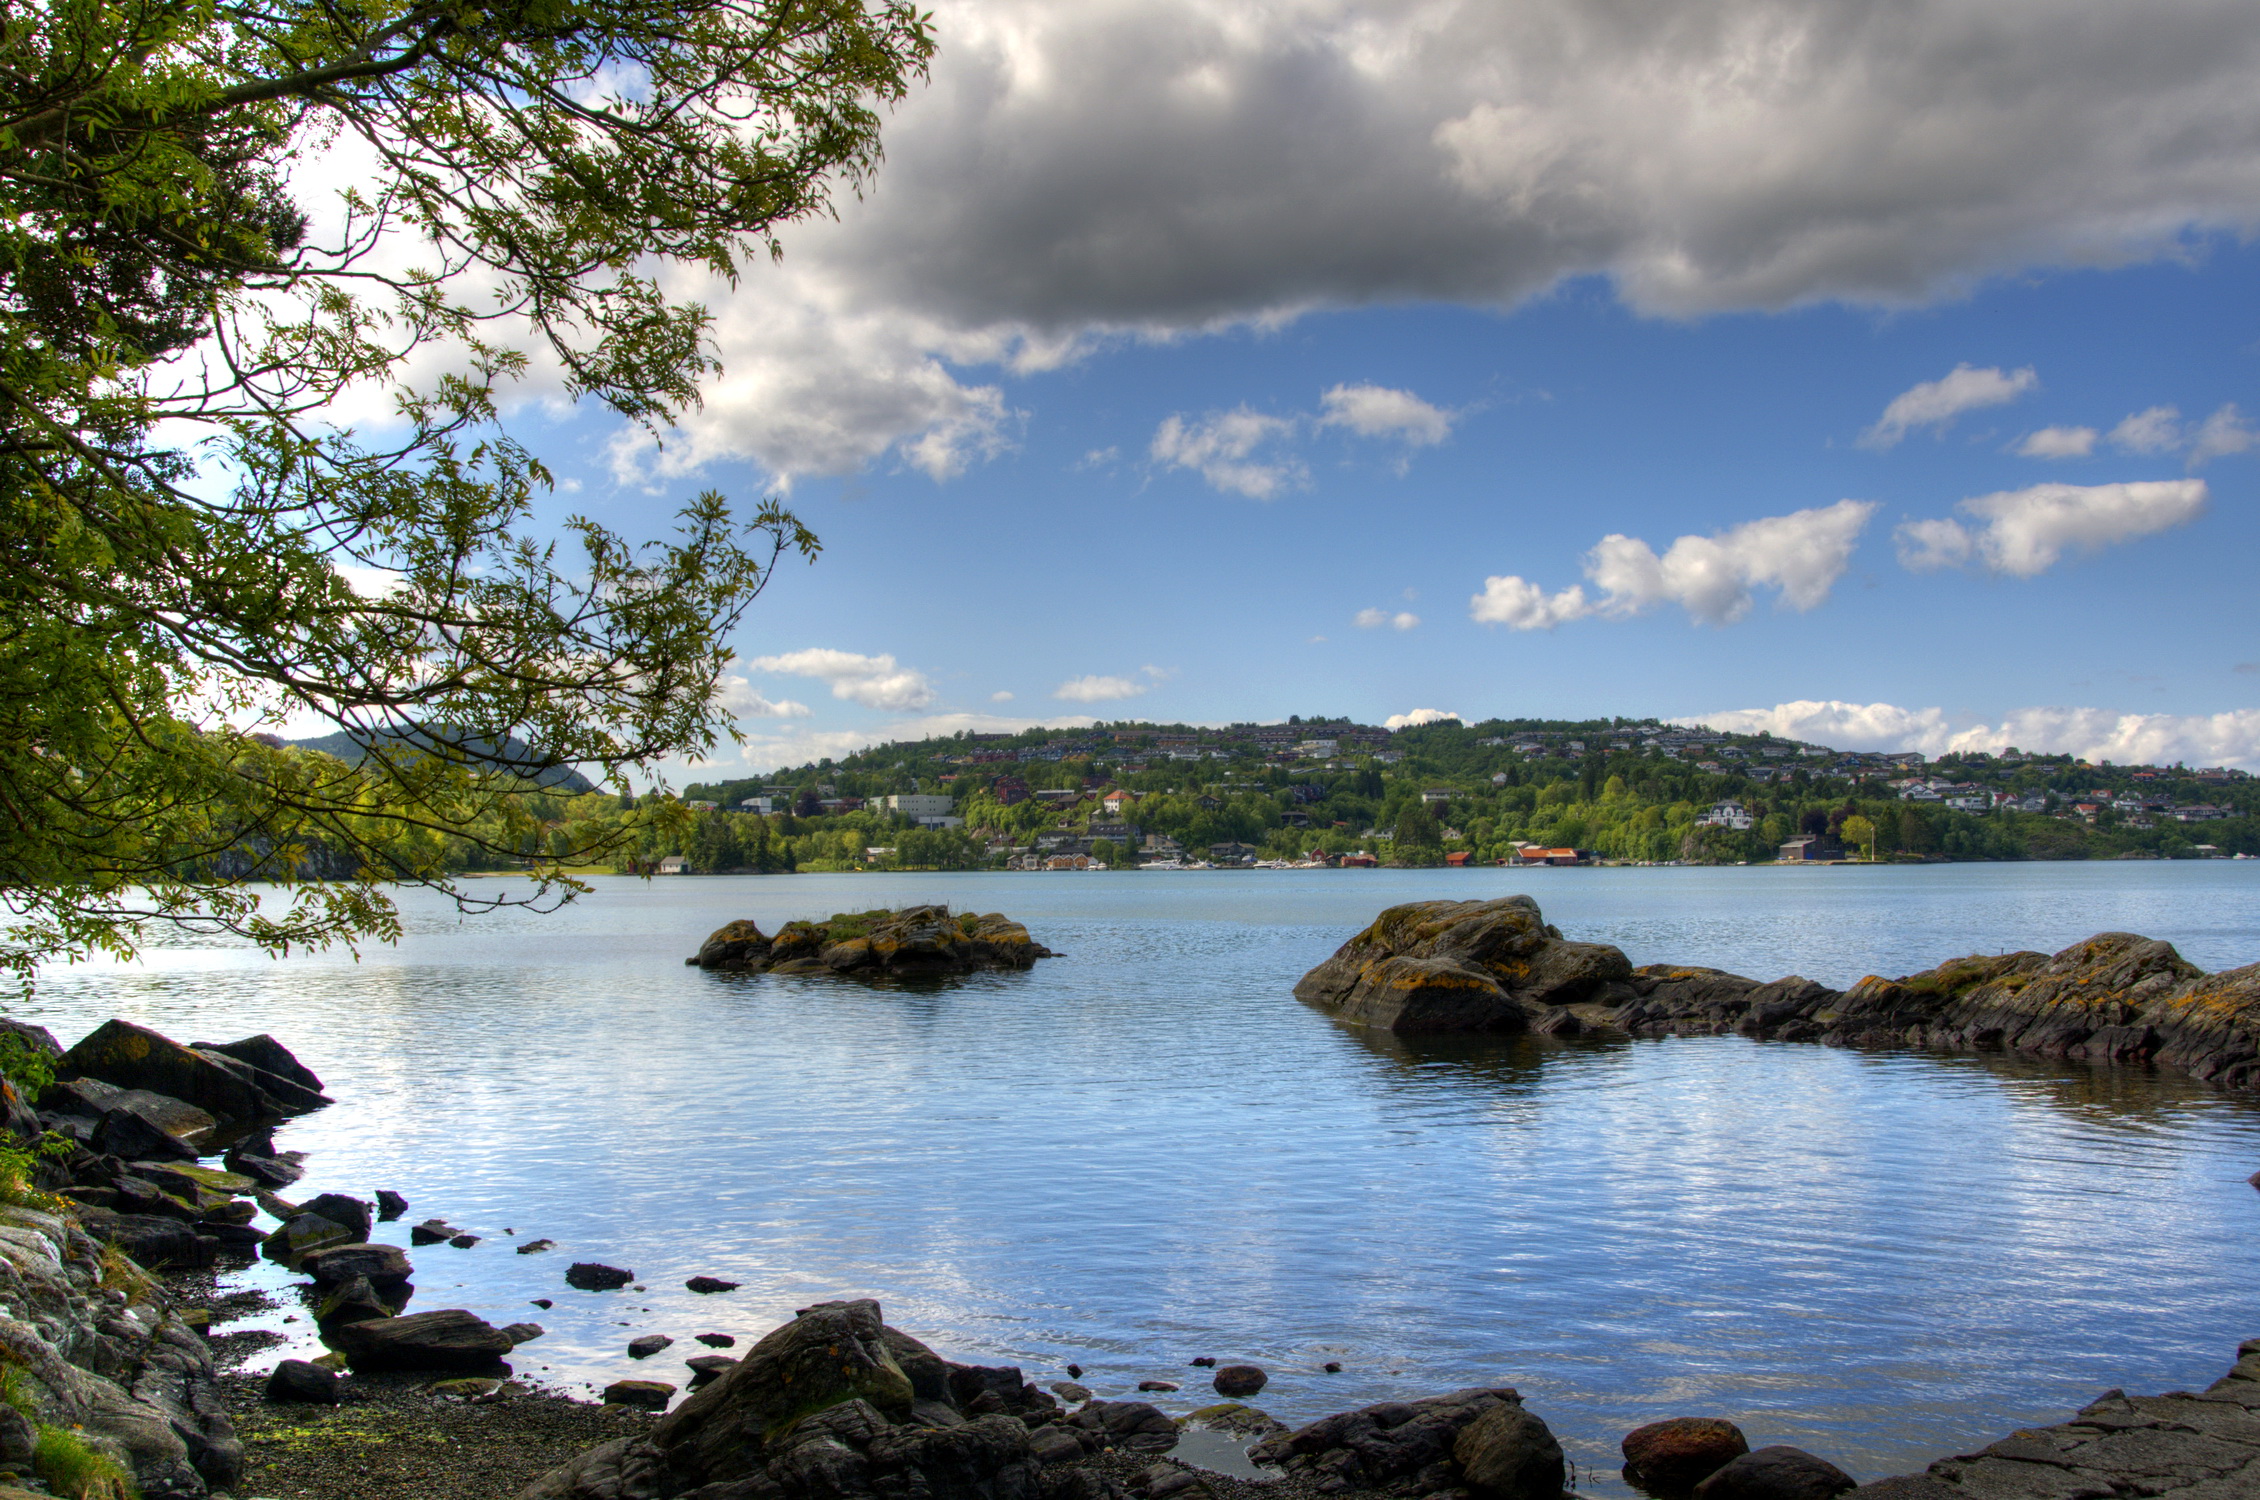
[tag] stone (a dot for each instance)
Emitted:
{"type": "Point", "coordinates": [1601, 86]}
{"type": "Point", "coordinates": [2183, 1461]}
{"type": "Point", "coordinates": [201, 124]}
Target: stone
{"type": "Point", "coordinates": [708, 1368]}
{"type": "Point", "coordinates": [591, 1276]}
{"type": "Point", "coordinates": [1509, 1454]}
{"type": "Point", "coordinates": [1058, 1443]}
{"type": "Point", "coordinates": [463, 1241]}
{"type": "Point", "coordinates": [1332, 1367]}
{"type": "Point", "coordinates": [1776, 1473]}
{"type": "Point", "coordinates": [268, 1056]}
{"type": "Point", "coordinates": [129, 1134]}
{"type": "Point", "coordinates": [1157, 1385]}
{"type": "Point", "coordinates": [336, 1264]}
{"type": "Point", "coordinates": [543, 1303]}
{"type": "Point", "coordinates": [650, 1395]}
{"type": "Point", "coordinates": [914, 941]}
{"type": "Point", "coordinates": [1240, 1380]}
{"type": "Point", "coordinates": [707, 1286]}
{"type": "Point", "coordinates": [353, 1213]}
{"type": "Point", "coordinates": [302, 1381]}
{"type": "Point", "coordinates": [301, 1235]}
{"type": "Point", "coordinates": [452, 1339]}
{"type": "Point", "coordinates": [1388, 1443]}
{"type": "Point", "coordinates": [716, 1340]}
{"type": "Point", "coordinates": [1164, 1480]}
{"type": "Point", "coordinates": [467, 1388]}
{"type": "Point", "coordinates": [1068, 1390]}
{"type": "Point", "coordinates": [1204, 1362]}
{"type": "Point", "coordinates": [1456, 966]}
{"type": "Point", "coordinates": [157, 1243]}
{"type": "Point", "coordinates": [1133, 1426]}
{"type": "Point", "coordinates": [522, 1333]}
{"type": "Point", "coordinates": [536, 1247]}
{"type": "Point", "coordinates": [270, 1170]}
{"type": "Point", "coordinates": [1674, 1456]}
{"type": "Point", "coordinates": [390, 1205]}
{"type": "Point", "coordinates": [134, 1057]}
{"type": "Point", "coordinates": [355, 1301]}
{"type": "Point", "coordinates": [431, 1232]}
{"type": "Point", "coordinates": [648, 1345]}
{"type": "Point", "coordinates": [1232, 1416]}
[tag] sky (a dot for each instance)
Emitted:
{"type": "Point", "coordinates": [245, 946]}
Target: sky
{"type": "Point", "coordinates": [1883, 375]}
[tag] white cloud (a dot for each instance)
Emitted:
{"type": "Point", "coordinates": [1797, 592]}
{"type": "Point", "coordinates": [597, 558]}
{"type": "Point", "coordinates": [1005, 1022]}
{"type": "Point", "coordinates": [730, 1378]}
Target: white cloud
{"type": "Point", "coordinates": [873, 681]}
{"type": "Point", "coordinates": [2222, 434]}
{"type": "Point", "coordinates": [2026, 532]}
{"type": "Point", "coordinates": [2095, 734]}
{"type": "Point", "coordinates": [2058, 442]}
{"type": "Point", "coordinates": [1519, 604]}
{"type": "Point", "coordinates": [1097, 689]}
{"type": "Point", "coordinates": [1374, 619]}
{"type": "Point", "coordinates": [2157, 430]}
{"type": "Point", "coordinates": [737, 696]}
{"type": "Point", "coordinates": [1420, 716]}
{"type": "Point", "coordinates": [1378, 411]}
{"type": "Point", "coordinates": [1000, 696]}
{"type": "Point", "coordinates": [1935, 403]}
{"type": "Point", "coordinates": [1221, 448]}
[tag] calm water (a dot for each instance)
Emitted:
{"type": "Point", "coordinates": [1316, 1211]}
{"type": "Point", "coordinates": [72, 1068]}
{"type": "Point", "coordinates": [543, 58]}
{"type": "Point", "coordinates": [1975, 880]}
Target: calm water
{"type": "Point", "coordinates": [1147, 1150]}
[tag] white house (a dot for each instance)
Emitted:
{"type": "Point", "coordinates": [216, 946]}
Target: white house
{"type": "Point", "coordinates": [920, 805]}
{"type": "Point", "coordinates": [671, 865]}
{"type": "Point", "coordinates": [1727, 815]}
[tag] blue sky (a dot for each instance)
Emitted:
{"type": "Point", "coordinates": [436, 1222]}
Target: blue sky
{"type": "Point", "coordinates": [1140, 380]}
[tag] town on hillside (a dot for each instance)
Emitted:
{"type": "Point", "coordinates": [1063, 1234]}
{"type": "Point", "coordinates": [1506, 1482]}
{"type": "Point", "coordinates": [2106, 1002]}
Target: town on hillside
{"type": "Point", "coordinates": [1332, 793]}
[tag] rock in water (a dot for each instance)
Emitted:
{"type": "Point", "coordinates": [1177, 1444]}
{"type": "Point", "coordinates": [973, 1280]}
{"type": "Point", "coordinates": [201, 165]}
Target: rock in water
{"type": "Point", "coordinates": [716, 1340]}
{"type": "Point", "coordinates": [914, 942]}
{"type": "Point", "coordinates": [1240, 1380]}
{"type": "Point", "coordinates": [1443, 966]}
{"type": "Point", "coordinates": [268, 1056]}
{"type": "Point", "coordinates": [1508, 1454]}
{"type": "Point", "coordinates": [1778, 1473]}
{"type": "Point", "coordinates": [431, 1232]}
{"type": "Point", "coordinates": [134, 1057]}
{"type": "Point", "coordinates": [352, 1213]}
{"type": "Point", "coordinates": [301, 1235]}
{"type": "Point", "coordinates": [1133, 1426]}
{"type": "Point", "coordinates": [390, 1205]}
{"type": "Point", "coordinates": [708, 1285]}
{"type": "Point", "coordinates": [590, 1276]}
{"type": "Point", "coordinates": [451, 1339]}
{"type": "Point", "coordinates": [1673, 1457]}
{"type": "Point", "coordinates": [536, 1247]}
{"type": "Point", "coordinates": [297, 1380]}
{"type": "Point", "coordinates": [648, 1345]}
{"type": "Point", "coordinates": [1387, 1444]}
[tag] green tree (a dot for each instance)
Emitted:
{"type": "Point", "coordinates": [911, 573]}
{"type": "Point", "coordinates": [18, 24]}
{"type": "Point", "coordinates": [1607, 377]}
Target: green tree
{"type": "Point", "coordinates": [182, 527]}
{"type": "Point", "coordinates": [1859, 832]}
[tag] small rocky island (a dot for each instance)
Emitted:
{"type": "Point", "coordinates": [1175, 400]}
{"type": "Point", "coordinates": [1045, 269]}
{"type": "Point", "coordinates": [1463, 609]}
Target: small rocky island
{"type": "Point", "coordinates": [916, 942]}
{"type": "Point", "coordinates": [1497, 966]}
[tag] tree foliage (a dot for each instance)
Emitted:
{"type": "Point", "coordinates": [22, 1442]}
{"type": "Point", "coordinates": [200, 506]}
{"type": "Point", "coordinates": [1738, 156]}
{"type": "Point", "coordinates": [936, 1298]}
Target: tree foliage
{"type": "Point", "coordinates": [231, 221]}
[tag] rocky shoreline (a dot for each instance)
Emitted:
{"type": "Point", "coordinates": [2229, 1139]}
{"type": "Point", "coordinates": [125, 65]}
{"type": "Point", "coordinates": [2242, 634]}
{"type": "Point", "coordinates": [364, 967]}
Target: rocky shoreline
{"type": "Point", "coordinates": [1431, 967]}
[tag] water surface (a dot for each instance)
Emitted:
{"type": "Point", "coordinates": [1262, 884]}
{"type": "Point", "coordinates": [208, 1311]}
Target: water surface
{"type": "Point", "coordinates": [1146, 1150]}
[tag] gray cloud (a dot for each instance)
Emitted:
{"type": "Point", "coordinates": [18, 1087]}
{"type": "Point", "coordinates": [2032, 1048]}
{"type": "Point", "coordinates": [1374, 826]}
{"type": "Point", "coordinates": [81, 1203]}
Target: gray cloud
{"type": "Point", "coordinates": [1117, 168]}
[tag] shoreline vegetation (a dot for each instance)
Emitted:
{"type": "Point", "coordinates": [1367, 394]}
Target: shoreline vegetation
{"type": "Point", "coordinates": [1324, 793]}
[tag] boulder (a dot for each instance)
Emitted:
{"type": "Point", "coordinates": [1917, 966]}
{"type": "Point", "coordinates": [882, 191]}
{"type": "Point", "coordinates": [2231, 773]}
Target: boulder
{"type": "Point", "coordinates": [447, 1340]}
{"type": "Point", "coordinates": [274, 1170]}
{"type": "Point", "coordinates": [1448, 966]}
{"type": "Point", "coordinates": [390, 1205]}
{"type": "Point", "coordinates": [431, 1232]}
{"type": "Point", "coordinates": [708, 1368]}
{"type": "Point", "coordinates": [297, 1380]}
{"type": "Point", "coordinates": [134, 1057]}
{"type": "Point", "coordinates": [1390, 1443]}
{"type": "Point", "coordinates": [1158, 1385]}
{"type": "Point", "coordinates": [522, 1333]}
{"type": "Point", "coordinates": [915, 942]}
{"type": "Point", "coordinates": [337, 1264]}
{"type": "Point", "coordinates": [1674, 1456]}
{"type": "Point", "coordinates": [650, 1395]}
{"type": "Point", "coordinates": [462, 1241]}
{"type": "Point", "coordinates": [353, 1213]}
{"type": "Point", "coordinates": [157, 1243]}
{"type": "Point", "coordinates": [130, 1134]}
{"type": "Point", "coordinates": [648, 1345]}
{"type": "Point", "coordinates": [1133, 1426]}
{"type": "Point", "coordinates": [707, 1286]}
{"type": "Point", "coordinates": [356, 1301]}
{"type": "Point", "coordinates": [536, 1247]}
{"type": "Point", "coordinates": [1240, 1380]}
{"type": "Point", "coordinates": [1231, 1416]}
{"type": "Point", "coordinates": [734, 945]}
{"type": "Point", "coordinates": [1777, 1473]}
{"type": "Point", "coordinates": [282, 1095]}
{"type": "Point", "coordinates": [301, 1235]}
{"type": "Point", "coordinates": [35, 1039]}
{"type": "Point", "coordinates": [716, 1340]}
{"type": "Point", "coordinates": [268, 1056]}
{"type": "Point", "coordinates": [1508, 1454]}
{"type": "Point", "coordinates": [591, 1276]}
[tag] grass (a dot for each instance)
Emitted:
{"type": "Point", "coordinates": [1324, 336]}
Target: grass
{"type": "Point", "coordinates": [73, 1469]}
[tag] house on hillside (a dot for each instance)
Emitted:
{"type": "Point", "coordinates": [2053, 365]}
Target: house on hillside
{"type": "Point", "coordinates": [1810, 848]}
{"type": "Point", "coordinates": [672, 865]}
{"type": "Point", "coordinates": [1727, 814]}
{"type": "Point", "coordinates": [1434, 795]}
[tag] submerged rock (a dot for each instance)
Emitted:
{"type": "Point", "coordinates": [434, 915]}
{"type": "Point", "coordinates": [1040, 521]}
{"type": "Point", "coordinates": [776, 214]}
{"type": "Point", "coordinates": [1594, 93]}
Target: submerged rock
{"type": "Point", "coordinates": [708, 1285]}
{"type": "Point", "coordinates": [915, 942]}
{"type": "Point", "coordinates": [1240, 1380]}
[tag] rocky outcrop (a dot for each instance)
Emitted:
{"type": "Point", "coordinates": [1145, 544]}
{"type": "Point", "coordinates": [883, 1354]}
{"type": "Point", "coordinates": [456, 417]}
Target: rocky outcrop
{"type": "Point", "coordinates": [230, 1089]}
{"type": "Point", "coordinates": [95, 1345]}
{"type": "Point", "coordinates": [2179, 1446]}
{"type": "Point", "coordinates": [1443, 966]}
{"type": "Point", "coordinates": [916, 942]}
{"type": "Point", "coordinates": [1496, 966]}
{"type": "Point", "coordinates": [837, 1405]}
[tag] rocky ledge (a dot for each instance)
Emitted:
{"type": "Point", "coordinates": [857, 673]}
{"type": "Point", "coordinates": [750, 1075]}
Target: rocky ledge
{"type": "Point", "coordinates": [913, 943]}
{"type": "Point", "coordinates": [1496, 966]}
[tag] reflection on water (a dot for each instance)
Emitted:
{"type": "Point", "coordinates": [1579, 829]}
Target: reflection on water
{"type": "Point", "coordinates": [1147, 1151]}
